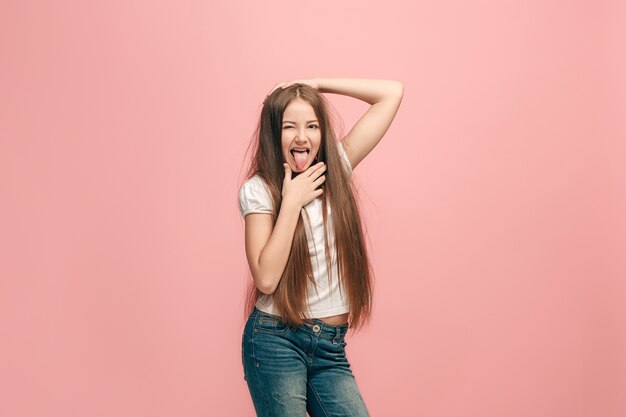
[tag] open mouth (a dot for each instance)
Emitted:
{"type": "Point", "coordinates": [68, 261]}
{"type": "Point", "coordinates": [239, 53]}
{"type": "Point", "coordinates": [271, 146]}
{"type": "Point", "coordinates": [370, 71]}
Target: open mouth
{"type": "Point", "coordinates": [300, 157]}
{"type": "Point", "coordinates": [300, 151]}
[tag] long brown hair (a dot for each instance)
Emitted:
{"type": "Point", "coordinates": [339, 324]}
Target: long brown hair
{"type": "Point", "coordinates": [355, 272]}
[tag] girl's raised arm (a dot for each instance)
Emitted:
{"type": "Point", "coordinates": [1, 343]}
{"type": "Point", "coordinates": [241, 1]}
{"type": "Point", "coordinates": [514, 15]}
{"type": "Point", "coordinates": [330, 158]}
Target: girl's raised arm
{"type": "Point", "coordinates": [385, 97]}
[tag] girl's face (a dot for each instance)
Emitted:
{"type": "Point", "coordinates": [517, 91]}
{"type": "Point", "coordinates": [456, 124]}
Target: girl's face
{"type": "Point", "coordinates": [300, 130]}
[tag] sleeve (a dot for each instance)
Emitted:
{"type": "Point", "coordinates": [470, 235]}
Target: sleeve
{"type": "Point", "coordinates": [254, 198]}
{"type": "Point", "coordinates": [344, 157]}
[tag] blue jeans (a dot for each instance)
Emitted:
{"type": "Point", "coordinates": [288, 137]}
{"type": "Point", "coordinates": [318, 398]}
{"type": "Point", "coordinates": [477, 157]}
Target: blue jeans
{"type": "Point", "coordinates": [294, 370]}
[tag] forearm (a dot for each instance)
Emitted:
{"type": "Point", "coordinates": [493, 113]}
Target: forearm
{"type": "Point", "coordinates": [274, 256]}
{"type": "Point", "coordinates": [369, 90]}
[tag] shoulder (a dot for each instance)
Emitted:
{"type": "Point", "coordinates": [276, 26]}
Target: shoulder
{"type": "Point", "coordinates": [253, 182]}
{"type": "Point", "coordinates": [255, 197]}
{"type": "Point", "coordinates": [256, 185]}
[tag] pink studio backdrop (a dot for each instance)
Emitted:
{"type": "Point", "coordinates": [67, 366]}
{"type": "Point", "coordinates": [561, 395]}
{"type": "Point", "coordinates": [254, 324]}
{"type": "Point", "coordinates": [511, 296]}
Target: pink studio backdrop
{"type": "Point", "coordinates": [494, 205]}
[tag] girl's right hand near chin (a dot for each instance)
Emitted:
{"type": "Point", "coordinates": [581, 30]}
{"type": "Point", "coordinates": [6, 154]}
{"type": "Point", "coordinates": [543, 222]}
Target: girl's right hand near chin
{"type": "Point", "coordinates": [301, 190]}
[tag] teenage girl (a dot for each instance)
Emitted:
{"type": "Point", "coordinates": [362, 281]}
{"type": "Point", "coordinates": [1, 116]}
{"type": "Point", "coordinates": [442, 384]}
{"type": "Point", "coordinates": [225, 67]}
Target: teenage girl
{"type": "Point", "coordinates": [305, 246]}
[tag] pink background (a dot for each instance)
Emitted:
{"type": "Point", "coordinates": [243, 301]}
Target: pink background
{"type": "Point", "coordinates": [495, 204]}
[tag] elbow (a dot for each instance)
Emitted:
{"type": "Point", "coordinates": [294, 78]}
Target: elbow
{"type": "Point", "coordinates": [266, 286]}
{"type": "Point", "coordinates": [399, 89]}
{"type": "Point", "coordinates": [394, 91]}
{"type": "Point", "coordinates": [266, 290]}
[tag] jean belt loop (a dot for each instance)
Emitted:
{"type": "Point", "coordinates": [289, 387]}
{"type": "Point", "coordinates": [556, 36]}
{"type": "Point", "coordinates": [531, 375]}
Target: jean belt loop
{"type": "Point", "coordinates": [337, 334]}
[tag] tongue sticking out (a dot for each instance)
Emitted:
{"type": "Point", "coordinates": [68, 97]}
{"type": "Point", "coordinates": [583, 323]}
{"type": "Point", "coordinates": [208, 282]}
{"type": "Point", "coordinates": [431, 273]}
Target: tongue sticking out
{"type": "Point", "coordinates": [300, 158]}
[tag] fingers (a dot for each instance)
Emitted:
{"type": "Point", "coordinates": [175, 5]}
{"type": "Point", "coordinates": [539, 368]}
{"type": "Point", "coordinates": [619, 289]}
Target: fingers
{"type": "Point", "coordinates": [301, 184]}
{"type": "Point", "coordinates": [287, 171]}
{"type": "Point", "coordinates": [318, 169]}
{"type": "Point", "coordinates": [283, 85]}
{"type": "Point", "coordinates": [318, 175]}
{"type": "Point", "coordinates": [276, 86]}
{"type": "Point", "coordinates": [311, 170]}
{"type": "Point", "coordinates": [319, 181]}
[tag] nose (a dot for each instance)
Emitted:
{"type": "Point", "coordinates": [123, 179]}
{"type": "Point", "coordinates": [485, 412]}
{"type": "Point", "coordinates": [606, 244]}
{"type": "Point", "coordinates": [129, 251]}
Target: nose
{"type": "Point", "coordinates": [301, 134]}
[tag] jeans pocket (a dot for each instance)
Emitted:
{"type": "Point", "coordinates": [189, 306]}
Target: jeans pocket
{"type": "Point", "coordinates": [270, 324]}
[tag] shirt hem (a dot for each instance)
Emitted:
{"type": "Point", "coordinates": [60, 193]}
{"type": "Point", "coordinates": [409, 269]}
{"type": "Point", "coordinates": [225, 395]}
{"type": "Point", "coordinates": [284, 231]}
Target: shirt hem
{"type": "Point", "coordinates": [331, 312]}
{"type": "Point", "coordinates": [316, 315]}
{"type": "Point", "coordinates": [256, 211]}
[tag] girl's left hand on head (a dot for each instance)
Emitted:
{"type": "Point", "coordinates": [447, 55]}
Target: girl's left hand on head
{"type": "Point", "coordinates": [310, 82]}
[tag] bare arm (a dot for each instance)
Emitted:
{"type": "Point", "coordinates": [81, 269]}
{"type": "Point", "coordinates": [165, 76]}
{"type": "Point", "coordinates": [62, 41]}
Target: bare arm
{"type": "Point", "coordinates": [385, 97]}
{"type": "Point", "coordinates": [268, 249]}
{"type": "Point", "coordinates": [268, 246]}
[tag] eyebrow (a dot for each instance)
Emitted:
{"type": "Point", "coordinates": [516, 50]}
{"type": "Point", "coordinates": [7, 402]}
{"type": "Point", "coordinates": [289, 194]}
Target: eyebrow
{"type": "Point", "coordinates": [289, 121]}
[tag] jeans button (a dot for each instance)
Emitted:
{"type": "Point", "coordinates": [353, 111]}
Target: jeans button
{"type": "Point", "coordinates": [316, 328]}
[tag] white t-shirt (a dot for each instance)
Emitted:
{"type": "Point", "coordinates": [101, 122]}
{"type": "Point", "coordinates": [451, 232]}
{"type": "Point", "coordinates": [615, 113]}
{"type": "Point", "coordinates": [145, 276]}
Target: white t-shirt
{"type": "Point", "coordinates": [254, 197]}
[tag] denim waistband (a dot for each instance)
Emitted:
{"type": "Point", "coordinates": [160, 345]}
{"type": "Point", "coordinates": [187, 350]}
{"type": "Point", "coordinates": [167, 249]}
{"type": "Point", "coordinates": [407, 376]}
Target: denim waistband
{"type": "Point", "coordinates": [325, 328]}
